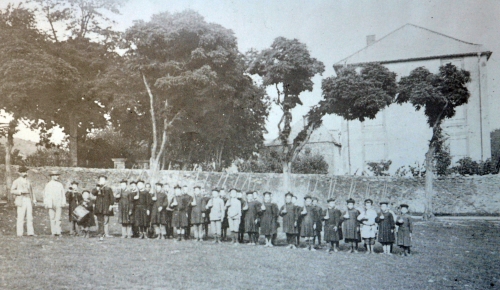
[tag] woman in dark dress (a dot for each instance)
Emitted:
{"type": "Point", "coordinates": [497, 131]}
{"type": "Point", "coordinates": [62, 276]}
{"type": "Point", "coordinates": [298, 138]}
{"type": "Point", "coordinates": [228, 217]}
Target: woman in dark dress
{"type": "Point", "coordinates": [386, 227]}
{"type": "Point", "coordinates": [268, 219]}
{"type": "Point", "coordinates": [333, 225]}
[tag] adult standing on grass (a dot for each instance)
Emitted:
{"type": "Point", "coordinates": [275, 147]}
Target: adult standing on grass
{"type": "Point", "coordinates": [104, 200]}
{"type": "Point", "coordinates": [54, 199]}
{"type": "Point", "coordinates": [25, 199]}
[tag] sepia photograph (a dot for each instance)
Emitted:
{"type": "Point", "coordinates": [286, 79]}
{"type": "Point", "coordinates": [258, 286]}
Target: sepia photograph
{"type": "Point", "coordinates": [231, 144]}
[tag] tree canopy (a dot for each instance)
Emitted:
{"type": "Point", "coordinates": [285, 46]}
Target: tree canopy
{"type": "Point", "coordinates": [196, 77]}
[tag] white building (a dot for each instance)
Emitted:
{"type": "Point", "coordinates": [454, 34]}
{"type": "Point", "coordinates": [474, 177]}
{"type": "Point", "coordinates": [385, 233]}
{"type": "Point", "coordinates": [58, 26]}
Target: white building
{"type": "Point", "coordinates": [401, 134]}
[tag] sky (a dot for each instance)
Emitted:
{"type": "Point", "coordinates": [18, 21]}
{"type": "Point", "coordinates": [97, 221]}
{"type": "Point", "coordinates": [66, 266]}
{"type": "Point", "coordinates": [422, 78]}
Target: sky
{"type": "Point", "coordinates": [333, 30]}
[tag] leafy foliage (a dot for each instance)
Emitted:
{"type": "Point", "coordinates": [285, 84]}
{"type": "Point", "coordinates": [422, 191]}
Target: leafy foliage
{"type": "Point", "coordinates": [271, 161]}
{"type": "Point", "coordinates": [467, 166]}
{"type": "Point", "coordinates": [380, 168]}
{"type": "Point", "coordinates": [48, 157]}
{"type": "Point", "coordinates": [198, 80]}
{"type": "Point", "coordinates": [287, 65]}
{"type": "Point", "coordinates": [359, 95]}
{"type": "Point", "coordinates": [439, 94]}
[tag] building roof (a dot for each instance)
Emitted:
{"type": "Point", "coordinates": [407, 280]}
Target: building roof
{"type": "Point", "coordinates": [320, 135]}
{"type": "Point", "coordinates": [409, 43]}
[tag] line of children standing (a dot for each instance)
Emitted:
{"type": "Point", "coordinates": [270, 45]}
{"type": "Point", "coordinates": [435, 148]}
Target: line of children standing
{"type": "Point", "coordinates": [162, 210]}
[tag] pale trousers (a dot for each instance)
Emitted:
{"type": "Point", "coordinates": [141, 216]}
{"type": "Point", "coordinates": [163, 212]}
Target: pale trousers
{"type": "Point", "coordinates": [26, 209]}
{"type": "Point", "coordinates": [216, 227]}
{"type": "Point", "coordinates": [55, 220]}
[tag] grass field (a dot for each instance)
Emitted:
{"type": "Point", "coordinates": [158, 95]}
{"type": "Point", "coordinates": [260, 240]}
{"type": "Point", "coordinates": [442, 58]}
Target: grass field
{"type": "Point", "coordinates": [446, 255]}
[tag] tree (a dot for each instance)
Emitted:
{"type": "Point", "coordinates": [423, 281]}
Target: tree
{"type": "Point", "coordinates": [288, 66]}
{"type": "Point", "coordinates": [439, 95]}
{"type": "Point", "coordinates": [76, 105]}
{"type": "Point", "coordinates": [196, 88]}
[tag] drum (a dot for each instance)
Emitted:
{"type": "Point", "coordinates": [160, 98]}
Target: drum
{"type": "Point", "coordinates": [79, 213]}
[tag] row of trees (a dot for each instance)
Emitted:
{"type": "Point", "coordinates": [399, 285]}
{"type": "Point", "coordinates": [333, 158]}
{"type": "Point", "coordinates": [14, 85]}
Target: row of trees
{"type": "Point", "coordinates": [182, 89]}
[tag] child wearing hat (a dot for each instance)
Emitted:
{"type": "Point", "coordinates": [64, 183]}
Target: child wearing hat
{"type": "Point", "coordinates": [103, 207]}
{"type": "Point", "coordinates": [159, 202]}
{"type": "Point", "coordinates": [268, 219]}
{"type": "Point", "coordinates": [241, 228]}
{"type": "Point", "coordinates": [333, 225]}
{"type": "Point", "coordinates": [404, 230]}
{"type": "Point", "coordinates": [125, 198]}
{"type": "Point", "coordinates": [351, 226]}
{"type": "Point", "coordinates": [180, 204]}
{"type": "Point", "coordinates": [142, 205]}
{"type": "Point", "coordinates": [233, 210]}
{"type": "Point", "coordinates": [308, 225]}
{"type": "Point", "coordinates": [298, 210]}
{"type": "Point", "coordinates": [290, 216]}
{"type": "Point", "coordinates": [73, 199]}
{"type": "Point", "coordinates": [168, 211]}
{"type": "Point", "coordinates": [386, 227]}
{"type": "Point", "coordinates": [368, 226]}
{"type": "Point", "coordinates": [198, 206]}
{"type": "Point", "coordinates": [319, 222]}
{"type": "Point", "coordinates": [217, 212]}
{"type": "Point", "coordinates": [88, 221]}
{"type": "Point", "coordinates": [252, 211]}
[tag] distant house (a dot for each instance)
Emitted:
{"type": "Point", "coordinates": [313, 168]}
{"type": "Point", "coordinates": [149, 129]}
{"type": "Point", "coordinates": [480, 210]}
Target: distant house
{"type": "Point", "coordinates": [323, 142]}
{"type": "Point", "coordinates": [401, 134]}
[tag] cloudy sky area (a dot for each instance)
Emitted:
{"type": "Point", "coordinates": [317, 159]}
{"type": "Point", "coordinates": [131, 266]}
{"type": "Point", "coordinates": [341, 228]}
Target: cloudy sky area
{"type": "Point", "coordinates": [333, 30]}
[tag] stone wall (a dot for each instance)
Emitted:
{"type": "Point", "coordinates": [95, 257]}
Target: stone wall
{"type": "Point", "coordinates": [477, 195]}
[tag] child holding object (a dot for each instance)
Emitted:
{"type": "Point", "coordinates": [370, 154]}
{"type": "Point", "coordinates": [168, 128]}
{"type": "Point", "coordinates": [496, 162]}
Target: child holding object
{"type": "Point", "coordinates": [289, 213]}
{"type": "Point", "coordinates": [233, 206]}
{"type": "Point", "coordinates": [351, 226]}
{"type": "Point", "coordinates": [268, 218]}
{"type": "Point", "coordinates": [386, 224]}
{"type": "Point", "coordinates": [217, 211]}
{"type": "Point", "coordinates": [308, 224]}
{"type": "Point", "coordinates": [404, 230]}
{"type": "Point", "coordinates": [368, 226]}
{"type": "Point", "coordinates": [333, 226]}
{"type": "Point", "coordinates": [88, 221]}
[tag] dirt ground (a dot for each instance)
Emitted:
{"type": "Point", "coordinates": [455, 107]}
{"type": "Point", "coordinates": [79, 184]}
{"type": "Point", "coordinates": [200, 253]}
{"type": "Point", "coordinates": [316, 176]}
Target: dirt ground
{"type": "Point", "coordinates": [446, 255]}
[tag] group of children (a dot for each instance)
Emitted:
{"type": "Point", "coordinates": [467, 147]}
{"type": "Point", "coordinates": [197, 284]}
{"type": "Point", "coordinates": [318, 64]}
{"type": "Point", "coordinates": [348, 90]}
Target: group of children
{"type": "Point", "coordinates": [162, 212]}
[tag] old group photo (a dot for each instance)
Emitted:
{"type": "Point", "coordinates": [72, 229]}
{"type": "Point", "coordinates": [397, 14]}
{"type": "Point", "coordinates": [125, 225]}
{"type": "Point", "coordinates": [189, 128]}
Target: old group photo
{"type": "Point", "coordinates": [249, 145]}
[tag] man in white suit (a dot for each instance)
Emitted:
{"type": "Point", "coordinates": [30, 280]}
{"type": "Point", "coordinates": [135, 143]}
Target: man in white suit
{"type": "Point", "coordinates": [54, 200]}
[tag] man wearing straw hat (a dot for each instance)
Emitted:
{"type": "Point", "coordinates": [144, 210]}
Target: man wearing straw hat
{"type": "Point", "coordinates": [25, 199]}
{"type": "Point", "coordinates": [54, 199]}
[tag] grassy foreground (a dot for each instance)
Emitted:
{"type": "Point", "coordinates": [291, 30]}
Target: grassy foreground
{"type": "Point", "coordinates": [446, 255]}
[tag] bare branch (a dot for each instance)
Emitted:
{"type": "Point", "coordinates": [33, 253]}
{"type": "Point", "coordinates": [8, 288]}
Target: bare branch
{"type": "Point", "coordinates": [153, 119]}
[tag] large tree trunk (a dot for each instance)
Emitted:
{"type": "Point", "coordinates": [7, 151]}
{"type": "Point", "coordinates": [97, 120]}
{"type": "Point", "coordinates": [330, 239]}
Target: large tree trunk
{"type": "Point", "coordinates": [8, 153]}
{"type": "Point", "coordinates": [287, 173]}
{"type": "Point", "coordinates": [429, 178]}
{"type": "Point", "coordinates": [73, 140]}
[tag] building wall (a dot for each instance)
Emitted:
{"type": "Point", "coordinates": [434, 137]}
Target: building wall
{"type": "Point", "coordinates": [454, 195]}
{"type": "Point", "coordinates": [401, 134]}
